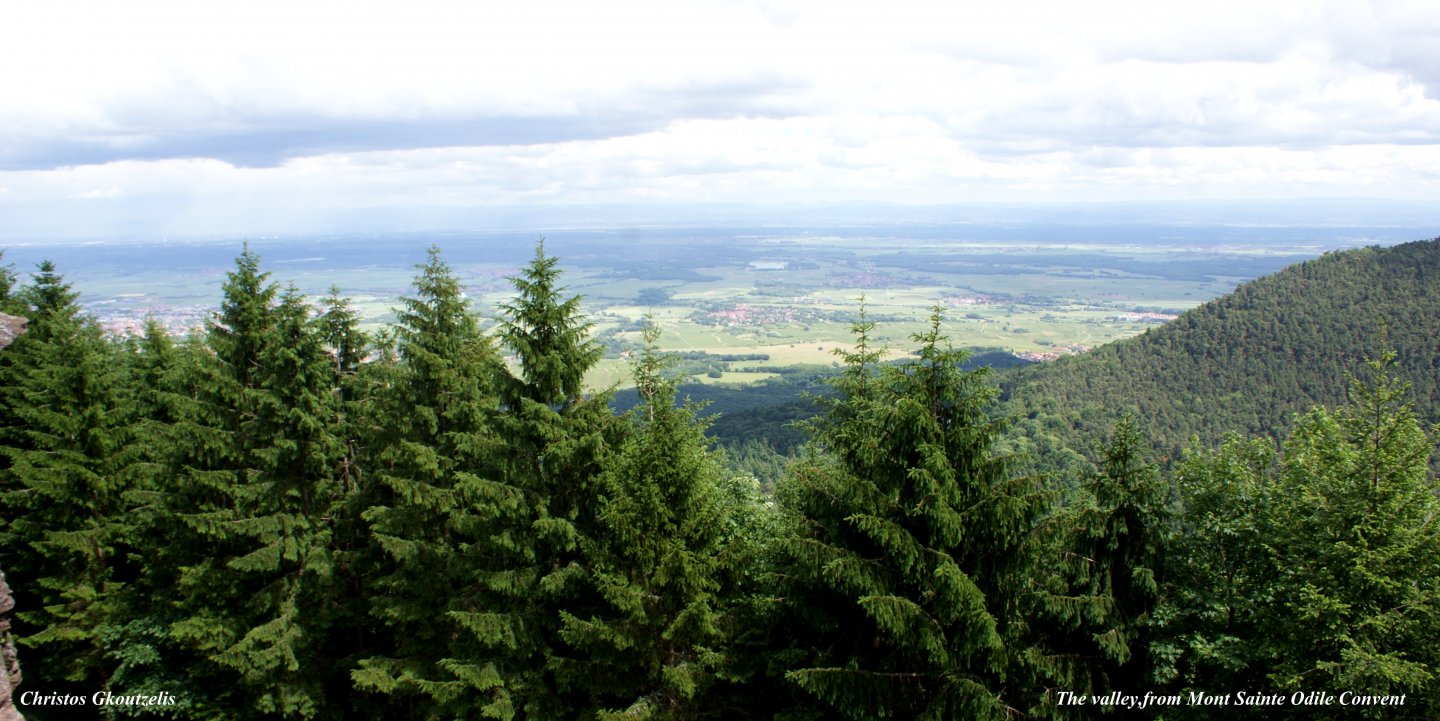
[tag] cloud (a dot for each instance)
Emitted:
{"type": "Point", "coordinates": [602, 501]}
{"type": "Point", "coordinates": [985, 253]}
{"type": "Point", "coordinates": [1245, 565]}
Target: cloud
{"type": "Point", "coordinates": [99, 194]}
{"type": "Point", "coordinates": [309, 111]}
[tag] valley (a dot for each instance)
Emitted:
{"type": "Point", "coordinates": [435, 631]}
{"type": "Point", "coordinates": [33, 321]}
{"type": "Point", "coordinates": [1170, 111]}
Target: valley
{"type": "Point", "coordinates": [751, 299]}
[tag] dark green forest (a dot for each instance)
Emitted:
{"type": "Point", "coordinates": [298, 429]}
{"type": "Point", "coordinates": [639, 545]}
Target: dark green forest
{"type": "Point", "coordinates": [283, 517]}
{"type": "Point", "coordinates": [1250, 361]}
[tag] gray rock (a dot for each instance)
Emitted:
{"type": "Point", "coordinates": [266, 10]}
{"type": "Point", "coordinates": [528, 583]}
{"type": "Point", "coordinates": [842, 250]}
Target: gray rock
{"type": "Point", "coordinates": [9, 666]}
{"type": "Point", "coordinates": [11, 326]}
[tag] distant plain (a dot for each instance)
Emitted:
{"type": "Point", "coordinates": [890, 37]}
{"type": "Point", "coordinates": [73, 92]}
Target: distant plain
{"type": "Point", "coordinates": [753, 299]}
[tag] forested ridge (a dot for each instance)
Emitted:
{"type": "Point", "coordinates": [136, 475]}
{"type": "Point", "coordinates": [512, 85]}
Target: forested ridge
{"type": "Point", "coordinates": [1249, 361]}
{"type": "Point", "coordinates": [284, 517]}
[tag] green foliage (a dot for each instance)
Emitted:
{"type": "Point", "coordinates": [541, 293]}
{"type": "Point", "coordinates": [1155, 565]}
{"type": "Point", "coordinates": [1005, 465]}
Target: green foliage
{"type": "Point", "coordinates": [69, 459]}
{"type": "Point", "coordinates": [1316, 570]}
{"type": "Point", "coordinates": [912, 544]}
{"type": "Point", "coordinates": [556, 441]}
{"type": "Point", "coordinates": [286, 517]}
{"type": "Point", "coordinates": [248, 512]}
{"type": "Point", "coordinates": [1247, 362]}
{"type": "Point", "coordinates": [8, 302]}
{"type": "Point", "coordinates": [1113, 561]}
{"type": "Point", "coordinates": [649, 648]}
{"type": "Point", "coordinates": [1356, 546]}
{"type": "Point", "coordinates": [430, 509]}
{"type": "Point", "coordinates": [1218, 577]}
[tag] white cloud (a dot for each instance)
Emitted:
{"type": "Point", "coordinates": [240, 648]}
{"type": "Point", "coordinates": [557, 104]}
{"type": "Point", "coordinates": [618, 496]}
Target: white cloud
{"type": "Point", "coordinates": [207, 113]}
{"type": "Point", "coordinates": [99, 194]}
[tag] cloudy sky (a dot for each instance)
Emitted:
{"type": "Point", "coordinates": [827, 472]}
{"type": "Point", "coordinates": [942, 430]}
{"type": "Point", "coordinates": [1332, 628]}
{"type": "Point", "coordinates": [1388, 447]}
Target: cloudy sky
{"type": "Point", "coordinates": [196, 117]}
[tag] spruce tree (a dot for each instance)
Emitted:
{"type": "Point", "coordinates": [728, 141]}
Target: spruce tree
{"type": "Point", "coordinates": [146, 657]}
{"type": "Point", "coordinates": [346, 345]}
{"type": "Point", "coordinates": [649, 648]}
{"type": "Point", "coordinates": [1316, 569]}
{"type": "Point", "coordinates": [8, 302]}
{"type": "Point", "coordinates": [431, 510]}
{"type": "Point", "coordinates": [66, 538]}
{"type": "Point", "coordinates": [246, 510]}
{"type": "Point", "coordinates": [556, 440]}
{"type": "Point", "coordinates": [1115, 556]}
{"type": "Point", "coordinates": [1209, 623]}
{"type": "Point", "coordinates": [280, 520]}
{"type": "Point", "coordinates": [912, 545]}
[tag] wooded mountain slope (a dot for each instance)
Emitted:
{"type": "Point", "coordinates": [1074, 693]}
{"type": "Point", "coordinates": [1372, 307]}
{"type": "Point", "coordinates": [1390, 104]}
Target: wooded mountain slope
{"type": "Point", "coordinates": [1246, 362]}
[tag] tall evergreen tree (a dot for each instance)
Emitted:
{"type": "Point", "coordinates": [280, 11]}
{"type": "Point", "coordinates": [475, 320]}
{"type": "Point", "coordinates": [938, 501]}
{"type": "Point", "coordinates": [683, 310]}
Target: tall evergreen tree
{"type": "Point", "coordinates": [1315, 570]}
{"type": "Point", "coordinates": [1217, 570]}
{"type": "Point", "coordinates": [279, 519]}
{"type": "Point", "coordinates": [1115, 554]}
{"type": "Point", "coordinates": [66, 537]}
{"type": "Point", "coordinates": [346, 344]}
{"type": "Point", "coordinates": [556, 440]}
{"type": "Point", "coordinates": [913, 545]}
{"type": "Point", "coordinates": [432, 508]}
{"type": "Point", "coordinates": [203, 516]}
{"type": "Point", "coordinates": [649, 648]}
{"type": "Point", "coordinates": [8, 302]}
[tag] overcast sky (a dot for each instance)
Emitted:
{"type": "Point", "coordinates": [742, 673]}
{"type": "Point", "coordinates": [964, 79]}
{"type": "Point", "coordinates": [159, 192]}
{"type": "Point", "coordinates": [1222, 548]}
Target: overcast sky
{"type": "Point", "coordinates": [143, 117]}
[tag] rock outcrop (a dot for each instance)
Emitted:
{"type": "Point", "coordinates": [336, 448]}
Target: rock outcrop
{"type": "Point", "coordinates": [11, 326]}
{"type": "Point", "coordinates": [9, 667]}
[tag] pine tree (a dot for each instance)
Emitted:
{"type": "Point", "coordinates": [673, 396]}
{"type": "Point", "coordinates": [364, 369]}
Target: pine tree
{"type": "Point", "coordinates": [66, 536]}
{"type": "Point", "coordinates": [912, 545]}
{"type": "Point", "coordinates": [236, 548]}
{"type": "Point", "coordinates": [432, 508]}
{"type": "Point", "coordinates": [556, 440]}
{"type": "Point", "coordinates": [649, 649]}
{"type": "Point", "coordinates": [1115, 554]}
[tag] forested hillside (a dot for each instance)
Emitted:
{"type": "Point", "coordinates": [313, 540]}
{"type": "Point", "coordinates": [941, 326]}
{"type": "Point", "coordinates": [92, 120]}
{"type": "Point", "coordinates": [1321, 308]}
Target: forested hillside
{"type": "Point", "coordinates": [1247, 362]}
{"type": "Point", "coordinates": [282, 517]}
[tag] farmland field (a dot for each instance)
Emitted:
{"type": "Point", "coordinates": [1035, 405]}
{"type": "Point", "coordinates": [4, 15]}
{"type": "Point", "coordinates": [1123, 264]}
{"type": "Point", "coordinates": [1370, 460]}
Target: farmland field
{"type": "Point", "coordinates": [743, 302]}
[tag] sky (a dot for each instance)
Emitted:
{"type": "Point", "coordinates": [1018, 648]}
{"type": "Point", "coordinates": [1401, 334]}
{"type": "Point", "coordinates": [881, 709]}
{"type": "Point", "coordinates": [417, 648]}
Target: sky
{"type": "Point", "coordinates": [196, 117]}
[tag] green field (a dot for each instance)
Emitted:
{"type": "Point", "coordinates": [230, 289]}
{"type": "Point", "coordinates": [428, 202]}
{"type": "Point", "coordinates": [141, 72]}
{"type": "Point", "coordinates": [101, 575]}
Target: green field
{"type": "Point", "coordinates": [789, 296]}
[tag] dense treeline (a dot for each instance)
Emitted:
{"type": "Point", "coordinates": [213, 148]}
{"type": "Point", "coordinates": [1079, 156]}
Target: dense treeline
{"type": "Point", "coordinates": [284, 517]}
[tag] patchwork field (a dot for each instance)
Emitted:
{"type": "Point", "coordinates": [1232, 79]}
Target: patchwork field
{"type": "Point", "coordinates": [739, 303]}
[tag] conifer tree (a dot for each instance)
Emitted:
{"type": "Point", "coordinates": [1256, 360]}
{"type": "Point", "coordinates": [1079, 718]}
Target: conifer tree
{"type": "Point", "coordinates": [248, 508]}
{"type": "Point", "coordinates": [8, 302]}
{"type": "Point", "coordinates": [649, 649]}
{"type": "Point", "coordinates": [65, 538]}
{"type": "Point", "coordinates": [431, 510]}
{"type": "Point", "coordinates": [281, 522]}
{"type": "Point", "coordinates": [1115, 554]}
{"type": "Point", "coordinates": [1356, 550]}
{"type": "Point", "coordinates": [1315, 570]}
{"type": "Point", "coordinates": [1217, 570]}
{"type": "Point", "coordinates": [146, 658]}
{"type": "Point", "coordinates": [553, 429]}
{"type": "Point", "coordinates": [346, 345]}
{"type": "Point", "coordinates": [912, 545]}
{"type": "Point", "coordinates": [555, 444]}
{"type": "Point", "coordinates": [153, 359]}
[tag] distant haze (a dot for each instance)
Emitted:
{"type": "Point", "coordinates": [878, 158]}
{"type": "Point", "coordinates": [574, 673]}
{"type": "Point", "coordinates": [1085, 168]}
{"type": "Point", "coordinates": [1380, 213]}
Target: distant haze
{"type": "Point", "coordinates": [152, 118]}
